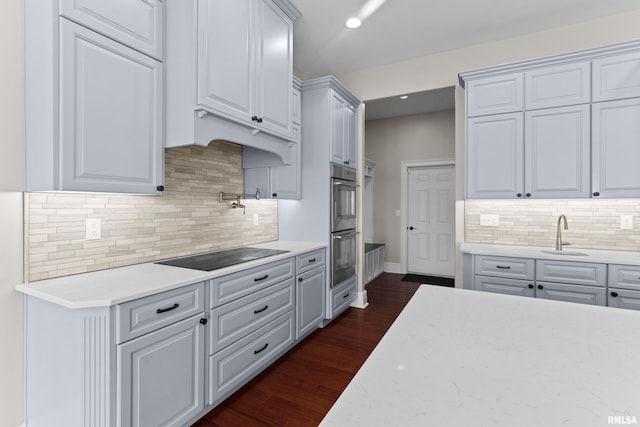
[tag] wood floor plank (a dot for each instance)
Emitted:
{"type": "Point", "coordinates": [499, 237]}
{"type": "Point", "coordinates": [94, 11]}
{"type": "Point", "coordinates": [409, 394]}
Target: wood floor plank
{"type": "Point", "coordinates": [300, 388]}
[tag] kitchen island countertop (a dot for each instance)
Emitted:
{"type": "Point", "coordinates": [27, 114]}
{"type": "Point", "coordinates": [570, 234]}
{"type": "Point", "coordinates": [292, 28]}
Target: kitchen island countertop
{"type": "Point", "coordinates": [460, 358]}
{"type": "Point", "coordinates": [105, 288]}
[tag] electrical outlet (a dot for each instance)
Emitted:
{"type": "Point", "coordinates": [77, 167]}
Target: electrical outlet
{"type": "Point", "coordinates": [489, 220]}
{"type": "Point", "coordinates": [92, 230]}
{"type": "Point", "coordinates": [626, 222]}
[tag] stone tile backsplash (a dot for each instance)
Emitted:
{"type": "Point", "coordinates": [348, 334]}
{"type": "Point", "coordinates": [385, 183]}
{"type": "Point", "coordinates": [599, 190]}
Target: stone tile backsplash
{"type": "Point", "coordinates": [187, 219]}
{"type": "Point", "coordinates": [593, 224]}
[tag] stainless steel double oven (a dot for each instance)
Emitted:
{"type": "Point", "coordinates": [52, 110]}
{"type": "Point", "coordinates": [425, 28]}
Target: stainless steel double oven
{"type": "Point", "coordinates": [343, 224]}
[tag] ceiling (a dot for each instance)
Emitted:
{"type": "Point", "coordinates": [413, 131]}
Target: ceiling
{"type": "Point", "coordinates": [397, 30]}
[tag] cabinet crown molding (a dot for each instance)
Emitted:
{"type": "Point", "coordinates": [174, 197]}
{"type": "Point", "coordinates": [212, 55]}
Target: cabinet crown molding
{"type": "Point", "coordinates": [332, 83]}
{"type": "Point", "coordinates": [592, 53]}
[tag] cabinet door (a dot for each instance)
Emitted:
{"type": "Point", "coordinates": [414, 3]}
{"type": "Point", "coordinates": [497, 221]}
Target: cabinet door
{"type": "Point", "coordinates": [623, 298]}
{"type": "Point", "coordinates": [523, 288]}
{"type": "Point", "coordinates": [548, 87]}
{"type": "Point", "coordinates": [571, 293]}
{"type": "Point", "coordinates": [161, 376]}
{"type": "Point", "coordinates": [338, 127]}
{"type": "Point", "coordinates": [286, 180]}
{"type": "Point", "coordinates": [616, 77]}
{"type": "Point", "coordinates": [351, 137]}
{"type": "Point", "coordinates": [274, 69]}
{"type": "Point", "coordinates": [226, 64]}
{"type": "Point", "coordinates": [111, 115]}
{"type": "Point", "coordinates": [495, 157]}
{"type": "Point", "coordinates": [557, 152]}
{"type": "Point", "coordinates": [495, 95]}
{"type": "Point", "coordinates": [310, 294]}
{"type": "Point", "coordinates": [341, 296]}
{"type": "Point", "coordinates": [137, 24]}
{"type": "Point", "coordinates": [257, 179]}
{"type": "Point", "coordinates": [615, 148]}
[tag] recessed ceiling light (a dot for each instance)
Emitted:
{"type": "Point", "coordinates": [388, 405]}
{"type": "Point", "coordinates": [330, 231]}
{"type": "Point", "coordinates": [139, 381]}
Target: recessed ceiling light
{"type": "Point", "coordinates": [353, 23]}
{"type": "Point", "coordinates": [404, 96]}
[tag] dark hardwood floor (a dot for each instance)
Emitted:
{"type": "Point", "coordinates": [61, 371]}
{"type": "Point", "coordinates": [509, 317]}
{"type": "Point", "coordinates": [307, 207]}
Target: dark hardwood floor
{"type": "Point", "coordinates": [300, 388]}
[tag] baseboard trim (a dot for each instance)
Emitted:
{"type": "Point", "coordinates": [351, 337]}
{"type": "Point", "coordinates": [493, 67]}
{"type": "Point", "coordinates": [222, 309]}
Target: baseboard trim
{"type": "Point", "coordinates": [393, 267]}
{"type": "Point", "coordinates": [361, 300]}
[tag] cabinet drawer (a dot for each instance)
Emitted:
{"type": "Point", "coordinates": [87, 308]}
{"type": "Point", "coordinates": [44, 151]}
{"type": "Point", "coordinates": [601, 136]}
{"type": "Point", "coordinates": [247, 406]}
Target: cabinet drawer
{"type": "Point", "coordinates": [309, 261]}
{"type": "Point", "coordinates": [137, 24]}
{"type": "Point", "coordinates": [495, 95]}
{"type": "Point", "coordinates": [515, 268]}
{"type": "Point", "coordinates": [568, 292]}
{"type": "Point", "coordinates": [227, 288]}
{"type": "Point", "coordinates": [141, 316]}
{"type": "Point", "coordinates": [624, 276]}
{"type": "Point", "coordinates": [235, 365]}
{"type": "Point", "coordinates": [623, 298]}
{"type": "Point", "coordinates": [581, 273]}
{"type": "Point", "coordinates": [232, 321]}
{"type": "Point", "coordinates": [342, 296]}
{"type": "Point", "coordinates": [501, 285]}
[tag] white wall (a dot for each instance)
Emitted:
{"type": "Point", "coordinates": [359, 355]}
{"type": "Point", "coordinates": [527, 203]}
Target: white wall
{"type": "Point", "coordinates": [11, 302]}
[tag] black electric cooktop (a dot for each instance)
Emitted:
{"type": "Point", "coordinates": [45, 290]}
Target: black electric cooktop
{"type": "Point", "coordinates": [220, 259]}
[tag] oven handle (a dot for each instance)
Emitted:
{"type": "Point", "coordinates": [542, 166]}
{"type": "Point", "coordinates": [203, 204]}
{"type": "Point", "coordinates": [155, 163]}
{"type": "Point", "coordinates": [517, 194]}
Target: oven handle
{"type": "Point", "coordinates": [345, 183]}
{"type": "Point", "coordinates": [341, 234]}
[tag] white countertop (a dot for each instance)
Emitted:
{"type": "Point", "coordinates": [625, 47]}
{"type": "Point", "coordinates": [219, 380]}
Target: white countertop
{"type": "Point", "coordinates": [461, 358]}
{"type": "Point", "coordinates": [536, 252]}
{"type": "Point", "coordinates": [117, 285]}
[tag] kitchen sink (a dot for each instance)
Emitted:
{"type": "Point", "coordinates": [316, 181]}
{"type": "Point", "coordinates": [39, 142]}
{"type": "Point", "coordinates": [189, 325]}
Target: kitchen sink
{"type": "Point", "coordinates": [569, 253]}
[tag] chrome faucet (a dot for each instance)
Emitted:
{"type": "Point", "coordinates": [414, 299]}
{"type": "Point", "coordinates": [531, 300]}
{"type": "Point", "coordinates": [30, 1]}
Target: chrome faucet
{"type": "Point", "coordinates": [559, 243]}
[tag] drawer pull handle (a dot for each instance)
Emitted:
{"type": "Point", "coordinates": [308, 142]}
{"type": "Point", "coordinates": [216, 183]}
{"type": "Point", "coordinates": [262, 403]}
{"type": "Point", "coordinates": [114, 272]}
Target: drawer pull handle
{"type": "Point", "coordinates": [503, 267]}
{"type": "Point", "coordinates": [346, 295]}
{"type": "Point", "coordinates": [261, 310]}
{"type": "Point", "coordinates": [258, 279]}
{"type": "Point", "coordinates": [164, 310]}
{"type": "Point", "coordinates": [312, 260]}
{"type": "Point", "coordinates": [262, 349]}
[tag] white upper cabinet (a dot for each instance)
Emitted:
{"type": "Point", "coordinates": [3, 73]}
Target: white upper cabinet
{"type": "Point", "coordinates": [616, 148]}
{"type": "Point", "coordinates": [557, 152]}
{"type": "Point", "coordinates": [495, 95]}
{"type": "Point", "coordinates": [616, 77]}
{"type": "Point", "coordinates": [566, 84]}
{"type": "Point", "coordinates": [344, 141]}
{"type": "Point", "coordinates": [495, 156]}
{"type": "Point", "coordinates": [137, 24]}
{"type": "Point", "coordinates": [110, 115]}
{"type": "Point", "coordinates": [245, 63]}
{"type": "Point", "coordinates": [96, 105]}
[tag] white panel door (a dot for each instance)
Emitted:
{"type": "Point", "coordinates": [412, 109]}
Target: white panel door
{"type": "Point", "coordinates": [226, 63]}
{"type": "Point", "coordinates": [431, 232]}
{"type": "Point", "coordinates": [616, 148]}
{"type": "Point", "coordinates": [557, 152]}
{"type": "Point", "coordinates": [111, 115]}
{"type": "Point", "coordinates": [274, 65]}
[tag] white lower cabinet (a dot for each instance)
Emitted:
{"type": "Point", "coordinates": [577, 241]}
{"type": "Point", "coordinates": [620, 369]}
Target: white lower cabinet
{"type": "Point", "coordinates": [161, 376]}
{"type": "Point", "coordinates": [500, 285]}
{"type": "Point", "coordinates": [571, 293]}
{"type": "Point", "coordinates": [623, 298]}
{"type": "Point", "coordinates": [341, 296]}
{"type": "Point", "coordinates": [310, 291]}
{"type": "Point", "coordinates": [624, 287]}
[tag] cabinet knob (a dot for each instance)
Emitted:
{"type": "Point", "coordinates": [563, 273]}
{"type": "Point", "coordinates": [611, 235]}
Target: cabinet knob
{"type": "Point", "coordinates": [160, 188]}
{"type": "Point", "coordinates": [614, 294]}
{"type": "Point", "coordinates": [530, 286]}
{"type": "Point", "coordinates": [254, 118]}
{"type": "Point", "coordinates": [540, 287]}
{"type": "Point", "coordinates": [596, 194]}
{"type": "Point", "coordinates": [519, 195]}
{"type": "Point", "coordinates": [528, 194]}
{"type": "Point", "coordinates": [300, 279]}
{"type": "Point", "coordinates": [203, 321]}
{"type": "Point", "coordinates": [274, 195]}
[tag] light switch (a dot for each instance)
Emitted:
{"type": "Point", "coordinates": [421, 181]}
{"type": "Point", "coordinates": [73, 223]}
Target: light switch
{"type": "Point", "coordinates": [489, 220]}
{"type": "Point", "coordinates": [397, 212]}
